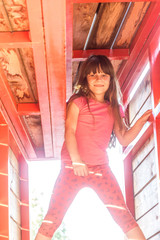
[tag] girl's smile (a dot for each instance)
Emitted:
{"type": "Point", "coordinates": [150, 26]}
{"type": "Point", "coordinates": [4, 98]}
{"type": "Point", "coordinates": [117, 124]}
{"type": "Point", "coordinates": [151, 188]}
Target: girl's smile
{"type": "Point", "coordinates": [98, 83]}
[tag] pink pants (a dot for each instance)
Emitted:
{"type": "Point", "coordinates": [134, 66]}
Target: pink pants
{"type": "Point", "coordinates": [102, 180]}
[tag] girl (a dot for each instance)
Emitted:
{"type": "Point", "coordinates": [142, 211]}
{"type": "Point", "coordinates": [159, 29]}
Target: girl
{"type": "Point", "coordinates": [93, 112]}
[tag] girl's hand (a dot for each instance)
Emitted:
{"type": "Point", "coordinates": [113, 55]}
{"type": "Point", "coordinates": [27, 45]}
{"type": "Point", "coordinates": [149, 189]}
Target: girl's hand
{"type": "Point", "coordinates": [80, 169]}
{"type": "Point", "coordinates": [147, 116]}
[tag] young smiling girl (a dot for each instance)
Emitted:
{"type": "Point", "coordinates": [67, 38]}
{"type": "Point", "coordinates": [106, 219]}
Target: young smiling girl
{"type": "Point", "coordinates": [93, 114]}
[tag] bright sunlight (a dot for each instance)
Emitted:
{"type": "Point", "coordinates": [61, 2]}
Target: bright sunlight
{"type": "Point", "coordinates": [87, 218]}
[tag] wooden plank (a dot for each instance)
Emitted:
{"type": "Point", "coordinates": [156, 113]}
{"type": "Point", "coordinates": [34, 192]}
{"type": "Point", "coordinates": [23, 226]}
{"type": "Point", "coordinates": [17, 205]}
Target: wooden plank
{"type": "Point", "coordinates": [55, 36]}
{"type": "Point", "coordinates": [13, 160]}
{"type": "Point", "coordinates": [33, 125]}
{"type": "Point", "coordinates": [147, 105]}
{"type": "Point", "coordinates": [148, 169]}
{"type": "Point", "coordinates": [146, 199]}
{"type": "Point", "coordinates": [83, 14]}
{"type": "Point", "coordinates": [14, 231]}
{"type": "Point", "coordinates": [131, 24]}
{"type": "Point", "coordinates": [39, 55]}
{"type": "Point", "coordinates": [17, 14]}
{"type": "Point", "coordinates": [112, 54]}
{"type": "Point", "coordinates": [147, 148]}
{"type": "Point", "coordinates": [155, 237]}
{"type": "Point", "coordinates": [143, 37]}
{"type": "Point", "coordinates": [87, 1]}
{"type": "Point", "coordinates": [28, 109]}
{"type": "Point", "coordinates": [150, 222]}
{"type": "Point", "coordinates": [16, 77]}
{"type": "Point", "coordinates": [140, 97]}
{"type": "Point", "coordinates": [14, 183]}
{"type": "Point", "coordinates": [27, 59]}
{"type": "Point", "coordinates": [69, 47]}
{"type": "Point", "coordinates": [15, 40]}
{"type": "Point", "coordinates": [14, 208]}
{"type": "Point", "coordinates": [106, 26]}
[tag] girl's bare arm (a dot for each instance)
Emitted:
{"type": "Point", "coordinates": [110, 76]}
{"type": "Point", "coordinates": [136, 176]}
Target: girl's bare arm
{"type": "Point", "coordinates": [126, 136]}
{"type": "Point", "coordinates": [79, 167]}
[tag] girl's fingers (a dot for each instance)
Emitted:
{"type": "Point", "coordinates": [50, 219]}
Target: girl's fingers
{"type": "Point", "coordinates": [80, 171]}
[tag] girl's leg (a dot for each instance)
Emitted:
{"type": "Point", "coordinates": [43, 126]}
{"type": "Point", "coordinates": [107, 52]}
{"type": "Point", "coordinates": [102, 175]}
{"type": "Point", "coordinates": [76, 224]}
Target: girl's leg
{"type": "Point", "coordinates": [135, 234]}
{"type": "Point", "coordinates": [109, 191]}
{"type": "Point", "coordinates": [65, 189]}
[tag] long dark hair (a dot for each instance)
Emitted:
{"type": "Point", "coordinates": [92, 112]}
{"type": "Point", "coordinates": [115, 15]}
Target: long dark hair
{"type": "Point", "coordinates": [93, 64]}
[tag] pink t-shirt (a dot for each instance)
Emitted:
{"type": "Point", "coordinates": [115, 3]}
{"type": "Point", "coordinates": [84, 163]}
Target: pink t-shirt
{"type": "Point", "coordinates": [94, 128]}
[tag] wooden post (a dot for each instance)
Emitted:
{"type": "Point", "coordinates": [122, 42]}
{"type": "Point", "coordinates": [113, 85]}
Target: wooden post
{"type": "Point", "coordinates": [129, 184]}
{"type": "Point", "coordinates": [154, 56]}
{"type": "Point", "coordinates": [24, 198]}
{"type": "Point", "coordinates": [4, 211]}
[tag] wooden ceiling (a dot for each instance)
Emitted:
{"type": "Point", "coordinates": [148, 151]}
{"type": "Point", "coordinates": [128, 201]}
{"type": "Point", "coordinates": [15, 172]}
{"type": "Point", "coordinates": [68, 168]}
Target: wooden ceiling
{"type": "Point", "coordinates": [41, 46]}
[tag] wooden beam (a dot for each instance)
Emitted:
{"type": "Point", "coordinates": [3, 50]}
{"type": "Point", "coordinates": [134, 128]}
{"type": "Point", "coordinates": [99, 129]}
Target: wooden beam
{"type": "Point", "coordinates": [137, 47]}
{"type": "Point", "coordinates": [137, 65]}
{"type": "Point", "coordinates": [4, 199]}
{"type": "Point", "coordinates": [36, 33]}
{"type": "Point", "coordinates": [28, 109]}
{"type": "Point", "coordinates": [15, 39]}
{"type": "Point", "coordinates": [55, 36]}
{"type": "Point", "coordinates": [139, 141]}
{"type": "Point", "coordinates": [12, 118]}
{"type": "Point", "coordinates": [107, 1]}
{"type": "Point", "coordinates": [69, 47]}
{"type": "Point", "coordinates": [113, 54]}
{"type": "Point", "coordinates": [154, 56]}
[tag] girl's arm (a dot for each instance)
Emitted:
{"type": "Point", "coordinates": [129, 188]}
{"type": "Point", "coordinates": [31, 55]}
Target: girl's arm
{"type": "Point", "coordinates": [79, 167]}
{"type": "Point", "coordinates": [126, 136]}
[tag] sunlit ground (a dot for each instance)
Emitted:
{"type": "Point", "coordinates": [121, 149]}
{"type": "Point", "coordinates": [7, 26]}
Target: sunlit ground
{"type": "Point", "coordinates": [87, 218]}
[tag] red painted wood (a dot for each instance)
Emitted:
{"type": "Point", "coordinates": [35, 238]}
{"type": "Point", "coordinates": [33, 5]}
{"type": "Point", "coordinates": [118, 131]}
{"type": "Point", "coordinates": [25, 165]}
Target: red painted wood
{"type": "Point", "coordinates": [139, 141]}
{"type": "Point", "coordinates": [154, 55]}
{"type": "Point", "coordinates": [55, 35]}
{"type": "Point", "coordinates": [4, 213]}
{"type": "Point", "coordinates": [103, 1]}
{"type": "Point", "coordinates": [113, 54]}
{"type": "Point", "coordinates": [15, 39]}
{"type": "Point", "coordinates": [137, 46]}
{"type": "Point", "coordinates": [37, 35]}
{"type": "Point", "coordinates": [12, 118]}
{"type": "Point", "coordinates": [139, 63]}
{"type": "Point", "coordinates": [69, 47]}
{"type": "Point", "coordinates": [129, 184]}
{"type": "Point", "coordinates": [24, 198]}
{"type": "Point", "coordinates": [28, 109]}
{"type": "Point", "coordinates": [25, 234]}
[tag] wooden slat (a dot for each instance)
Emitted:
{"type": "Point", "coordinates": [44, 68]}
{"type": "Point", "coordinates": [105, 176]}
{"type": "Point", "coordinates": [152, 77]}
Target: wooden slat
{"type": "Point", "coordinates": [69, 47]}
{"type": "Point", "coordinates": [83, 14]}
{"type": "Point", "coordinates": [112, 54]}
{"type": "Point", "coordinates": [107, 24]}
{"type": "Point", "coordinates": [16, 12]}
{"type": "Point", "coordinates": [140, 97]}
{"type": "Point", "coordinates": [55, 36]}
{"type": "Point", "coordinates": [12, 118]}
{"type": "Point", "coordinates": [149, 223]}
{"type": "Point", "coordinates": [146, 199]}
{"type": "Point", "coordinates": [94, 1]}
{"type": "Point", "coordinates": [14, 230]}
{"type": "Point", "coordinates": [131, 24]}
{"type": "Point", "coordinates": [147, 148]}
{"type": "Point", "coordinates": [128, 75]}
{"type": "Point", "coordinates": [147, 169]}
{"type": "Point", "coordinates": [36, 33]}
{"type": "Point", "coordinates": [28, 109]}
{"type": "Point", "coordinates": [147, 105]}
{"type": "Point", "coordinates": [15, 39]}
{"type": "Point", "coordinates": [14, 208]}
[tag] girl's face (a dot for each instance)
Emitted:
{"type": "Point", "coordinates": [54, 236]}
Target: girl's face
{"type": "Point", "coordinates": [98, 83]}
